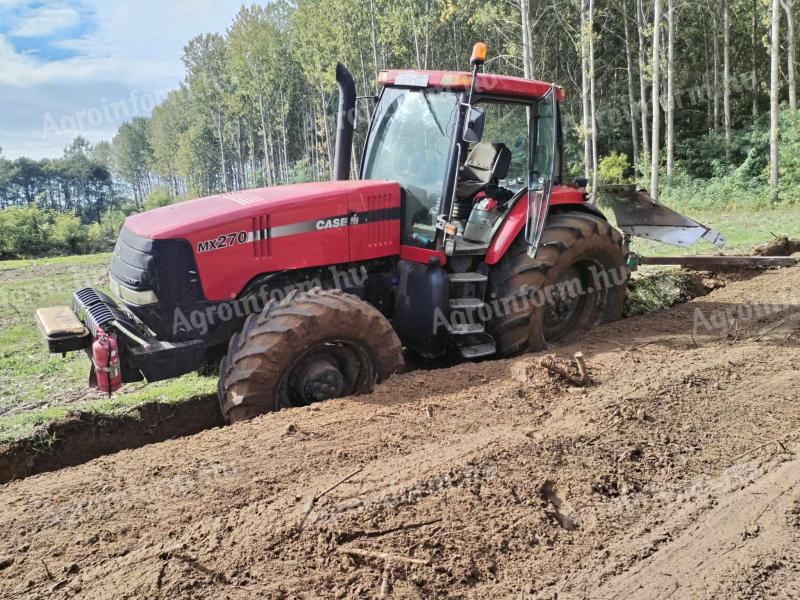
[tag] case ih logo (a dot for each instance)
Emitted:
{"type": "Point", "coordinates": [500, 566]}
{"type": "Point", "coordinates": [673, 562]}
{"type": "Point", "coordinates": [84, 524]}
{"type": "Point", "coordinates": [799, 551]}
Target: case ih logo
{"type": "Point", "coordinates": [338, 222]}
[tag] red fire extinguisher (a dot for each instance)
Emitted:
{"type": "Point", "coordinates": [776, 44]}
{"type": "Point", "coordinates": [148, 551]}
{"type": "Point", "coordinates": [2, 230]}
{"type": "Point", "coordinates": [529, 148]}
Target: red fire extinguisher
{"type": "Point", "coordinates": [105, 357]}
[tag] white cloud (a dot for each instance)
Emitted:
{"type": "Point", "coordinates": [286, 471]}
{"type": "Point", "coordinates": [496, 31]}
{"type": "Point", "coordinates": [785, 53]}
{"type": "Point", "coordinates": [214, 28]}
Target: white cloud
{"type": "Point", "coordinates": [26, 70]}
{"type": "Point", "coordinates": [129, 47]}
{"type": "Point", "coordinates": [44, 21]}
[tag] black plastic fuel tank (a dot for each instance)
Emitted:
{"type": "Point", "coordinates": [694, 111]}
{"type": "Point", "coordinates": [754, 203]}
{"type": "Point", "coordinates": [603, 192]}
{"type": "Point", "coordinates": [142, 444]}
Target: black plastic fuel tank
{"type": "Point", "coordinates": [423, 299]}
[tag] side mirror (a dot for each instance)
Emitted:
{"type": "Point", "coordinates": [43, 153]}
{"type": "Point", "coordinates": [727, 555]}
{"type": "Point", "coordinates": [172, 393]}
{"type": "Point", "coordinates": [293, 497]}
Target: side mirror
{"type": "Point", "coordinates": [473, 128]}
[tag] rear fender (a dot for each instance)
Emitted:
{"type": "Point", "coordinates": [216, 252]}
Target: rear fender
{"type": "Point", "coordinates": [563, 198]}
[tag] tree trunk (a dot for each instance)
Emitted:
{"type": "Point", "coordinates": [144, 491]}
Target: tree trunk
{"type": "Point", "coordinates": [592, 107]}
{"type": "Point", "coordinates": [656, 88]}
{"type": "Point", "coordinates": [586, 120]}
{"type": "Point", "coordinates": [631, 96]}
{"type": "Point", "coordinates": [326, 128]}
{"type": "Point", "coordinates": [774, 92]}
{"type": "Point", "coordinates": [251, 182]}
{"type": "Point", "coordinates": [240, 150]}
{"type": "Point", "coordinates": [788, 7]}
{"type": "Point", "coordinates": [726, 77]}
{"type": "Point", "coordinates": [416, 38]}
{"type": "Point", "coordinates": [373, 34]}
{"type": "Point", "coordinates": [707, 81]}
{"type": "Point", "coordinates": [525, 25]}
{"type": "Point", "coordinates": [670, 90]}
{"type": "Point", "coordinates": [715, 20]}
{"type": "Point", "coordinates": [222, 151]}
{"type": "Point", "coordinates": [263, 116]}
{"type": "Point", "coordinates": [754, 58]}
{"type": "Point", "coordinates": [284, 140]}
{"type": "Point", "coordinates": [645, 114]}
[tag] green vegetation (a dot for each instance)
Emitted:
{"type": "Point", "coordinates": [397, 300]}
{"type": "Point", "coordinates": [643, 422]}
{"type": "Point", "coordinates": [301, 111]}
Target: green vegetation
{"type": "Point", "coordinates": [649, 292]}
{"type": "Point", "coordinates": [32, 231]}
{"type": "Point", "coordinates": [37, 387]}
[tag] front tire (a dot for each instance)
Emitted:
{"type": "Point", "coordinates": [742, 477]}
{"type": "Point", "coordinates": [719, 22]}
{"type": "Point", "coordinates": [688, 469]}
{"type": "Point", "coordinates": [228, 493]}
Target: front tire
{"type": "Point", "coordinates": [313, 346]}
{"type": "Point", "coordinates": [577, 280]}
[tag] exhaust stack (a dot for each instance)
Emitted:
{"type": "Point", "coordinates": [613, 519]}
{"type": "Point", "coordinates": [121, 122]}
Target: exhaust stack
{"type": "Point", "coordinates": [345, 123]}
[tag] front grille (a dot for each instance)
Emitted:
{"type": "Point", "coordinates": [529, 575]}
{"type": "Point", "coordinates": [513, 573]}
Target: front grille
{"type": "Point", "coordinates": [165, 266]}
{"type": "Point", "coordinates": [132, 261]}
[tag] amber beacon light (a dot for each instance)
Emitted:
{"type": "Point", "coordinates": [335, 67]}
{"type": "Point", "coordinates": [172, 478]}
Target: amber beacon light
{"type": "Point", "coordinates": [478, 54]}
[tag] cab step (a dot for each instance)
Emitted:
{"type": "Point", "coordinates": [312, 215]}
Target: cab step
{"type": "Point", "coordinates": [466, 303]}
{"type": "Point", "coordinates": [466, 328]}
{"type": "Point", "coordinates": [476, 345]}
{"type": "Point", "coordinates": [468, 277]}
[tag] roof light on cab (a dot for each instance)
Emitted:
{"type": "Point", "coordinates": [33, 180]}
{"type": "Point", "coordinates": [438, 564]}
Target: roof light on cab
{"type": "Point", "coordinates": [478, 54]}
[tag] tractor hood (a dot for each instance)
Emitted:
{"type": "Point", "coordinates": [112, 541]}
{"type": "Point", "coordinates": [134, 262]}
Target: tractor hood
{"type": "Point", "coordinates": [238, 236]}
{"type": "Point", "coordinates": [183, 219]}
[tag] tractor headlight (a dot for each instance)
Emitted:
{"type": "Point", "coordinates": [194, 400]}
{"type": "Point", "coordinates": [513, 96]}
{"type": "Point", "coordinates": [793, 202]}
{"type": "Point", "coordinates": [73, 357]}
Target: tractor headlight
{"type": "Point", "coordinates": [139, 298]}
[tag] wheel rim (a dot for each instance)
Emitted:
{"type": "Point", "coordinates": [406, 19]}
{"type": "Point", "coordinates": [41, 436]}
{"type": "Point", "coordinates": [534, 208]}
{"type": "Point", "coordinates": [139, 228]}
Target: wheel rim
{"type": "Point", "coordinates": [573, 304]}
{"type": "Point", "coordinates": [333, 369]}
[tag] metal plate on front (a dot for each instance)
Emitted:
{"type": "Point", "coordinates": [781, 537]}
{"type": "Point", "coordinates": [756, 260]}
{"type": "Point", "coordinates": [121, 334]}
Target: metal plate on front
{"type": "Point", "coordinates": [419, 80]}
{"type": "Point", "coordinates": [61, 329]}
{"type": "Point", "coordinates": [59, 321]}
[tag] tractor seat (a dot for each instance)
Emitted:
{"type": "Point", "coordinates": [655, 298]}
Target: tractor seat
{"type": "Point", "coordinates": [486, 163]}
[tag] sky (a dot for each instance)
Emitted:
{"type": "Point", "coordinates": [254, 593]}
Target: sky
{"type": "Point", "coordinates": [83, 67]}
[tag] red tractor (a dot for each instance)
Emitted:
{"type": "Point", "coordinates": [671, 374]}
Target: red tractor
{"type": "Point", "coordinates": [458, 237]}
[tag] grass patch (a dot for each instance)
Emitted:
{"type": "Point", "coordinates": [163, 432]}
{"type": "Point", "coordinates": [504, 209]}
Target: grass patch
{"type": "Point", "coordinates": [37, 387]}
{"type": "Point", "coordinates": [25, 424]}
{"type": "Point", "coordinates": [80, 260]}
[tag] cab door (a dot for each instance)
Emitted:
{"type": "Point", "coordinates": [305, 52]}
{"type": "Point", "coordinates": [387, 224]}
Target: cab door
{"type": "Point", "coordinates": [543, 167]}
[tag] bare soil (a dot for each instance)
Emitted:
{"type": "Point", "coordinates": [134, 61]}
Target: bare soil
{"type": "Point", "coordinates": [675, 475]}
{"type": "Point", "coordinates": [780, 246]}
{"type": "Point", "coordinates": [84, 435]}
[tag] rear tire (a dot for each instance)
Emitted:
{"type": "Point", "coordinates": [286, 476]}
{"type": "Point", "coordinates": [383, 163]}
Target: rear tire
{"type": "Point", "coordinates": [312, 346]}
{"type": "Point", "coordinates": [558, 296]}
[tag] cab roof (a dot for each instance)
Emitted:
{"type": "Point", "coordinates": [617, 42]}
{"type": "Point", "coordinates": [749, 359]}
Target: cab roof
{"type": "Point", "coordinates": [488, 83]}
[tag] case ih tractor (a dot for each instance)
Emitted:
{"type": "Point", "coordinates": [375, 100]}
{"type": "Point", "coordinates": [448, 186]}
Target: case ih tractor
{"type": "Point", "coordinates": [459, 236]}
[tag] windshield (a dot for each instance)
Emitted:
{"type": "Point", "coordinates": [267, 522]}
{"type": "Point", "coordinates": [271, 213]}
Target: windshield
{"type": "Point", "coordinates": [409, 143]}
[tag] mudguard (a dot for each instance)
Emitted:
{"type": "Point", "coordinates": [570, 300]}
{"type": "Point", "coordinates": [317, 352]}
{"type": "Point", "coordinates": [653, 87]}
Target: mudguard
{"type": "Point", "coordinates": [563, 198]}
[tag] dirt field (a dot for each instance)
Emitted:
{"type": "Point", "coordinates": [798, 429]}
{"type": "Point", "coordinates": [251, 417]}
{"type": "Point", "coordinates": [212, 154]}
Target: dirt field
{"type": "Point", "coordinates": [675, 475]}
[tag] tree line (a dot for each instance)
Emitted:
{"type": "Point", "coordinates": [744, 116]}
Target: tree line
{"type": "Point", "coordinates": [645, 78]}
{"type": "Point", "coordinates": [683, 96]}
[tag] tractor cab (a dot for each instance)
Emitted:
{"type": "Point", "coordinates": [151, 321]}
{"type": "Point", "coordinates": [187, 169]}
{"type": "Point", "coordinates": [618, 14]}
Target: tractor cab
{"type": "Point", "coordinates": [464, 148]}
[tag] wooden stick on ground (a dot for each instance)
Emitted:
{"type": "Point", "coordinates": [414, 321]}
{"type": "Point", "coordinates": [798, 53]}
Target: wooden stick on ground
{"type": "Point", "coordinates": [315, 499]}
{"type": "Point", "coordinates": [381, 532]}
{"type": "Point", "coordinates": [778, 441]}
{"type": "Point", "coordinates": [581, 381]}
{"type": "Point", "coordinates": [769, 330]}
{"type": "Point", "coordinates": [384, 593]}
{"type": "Point", "coordinates": [587, 380]}
{"type": "Point", "coordinates": [383, 556]}
{"type": "Point", "coordinates": [609, 428]}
